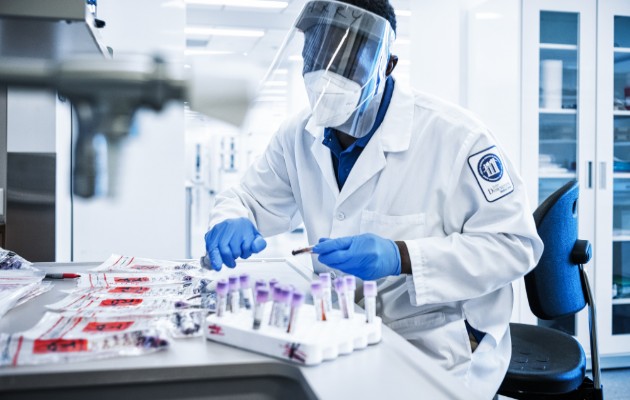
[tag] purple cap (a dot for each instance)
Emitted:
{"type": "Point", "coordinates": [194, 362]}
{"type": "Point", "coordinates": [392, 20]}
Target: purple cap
{"type": "Point", "coordinates": [277, 293]}
{"type": "Point", "coordinates": [316, 289]}
{"type": "Point", "coordinates": [244, 279]}
{"type": "Point", "coordinates": [272, 283]}
{"type": "Point", "coordinates": [234, 283]}
{"type": "Point", "coordinates": [369, 289]}
{"type": "Point", "coordinates": [351, 282]}
{"type": "Point", "coordinates": [222, 287]}
{"type": "Point", "coordinates": [298, 299]}
{"type": "Point", "coordinates": [285, 294]}
{"type": "Point", "coordinates": [262, 295]}
{"type": "Point", "coordinates": [340, 285]}
{"type": "Point", "coordinates": [326, 279]}
{"type": "Point", "coordinates": [260, 283]}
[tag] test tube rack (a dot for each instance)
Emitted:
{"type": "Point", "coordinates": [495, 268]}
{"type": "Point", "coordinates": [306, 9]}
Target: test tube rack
{"type": "Point", "coordinates": [311, 343]}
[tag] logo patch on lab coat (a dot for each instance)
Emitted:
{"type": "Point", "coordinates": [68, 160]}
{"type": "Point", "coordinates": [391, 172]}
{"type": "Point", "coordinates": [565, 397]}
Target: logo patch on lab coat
{"type": "Point", "coordinates": [491, 174]}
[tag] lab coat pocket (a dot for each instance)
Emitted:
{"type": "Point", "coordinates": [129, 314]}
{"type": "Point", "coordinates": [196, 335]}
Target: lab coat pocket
{"type": "Point", "coordinates": [395, 227]}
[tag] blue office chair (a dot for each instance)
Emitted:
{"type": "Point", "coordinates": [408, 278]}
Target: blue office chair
{"type": "Point", "coordinates": [547, 363]}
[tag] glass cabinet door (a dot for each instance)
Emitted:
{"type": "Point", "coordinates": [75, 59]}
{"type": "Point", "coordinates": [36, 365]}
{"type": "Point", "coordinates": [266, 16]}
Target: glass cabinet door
{"type": "Point", "coordinates": [613, 291]}
{"type": "Point", "coordinates": [558, 120]}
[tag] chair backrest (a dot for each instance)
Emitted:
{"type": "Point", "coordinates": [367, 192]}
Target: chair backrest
{"type": "Point", "coordinates": [554, 287]}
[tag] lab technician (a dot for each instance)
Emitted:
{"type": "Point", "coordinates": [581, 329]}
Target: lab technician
{"type": "Point", "coordinates": [395, 186]}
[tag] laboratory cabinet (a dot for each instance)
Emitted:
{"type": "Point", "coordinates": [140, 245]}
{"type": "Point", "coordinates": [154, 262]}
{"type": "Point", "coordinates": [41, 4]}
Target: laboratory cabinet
{"type": "Point", "coordinates": [576, 125]}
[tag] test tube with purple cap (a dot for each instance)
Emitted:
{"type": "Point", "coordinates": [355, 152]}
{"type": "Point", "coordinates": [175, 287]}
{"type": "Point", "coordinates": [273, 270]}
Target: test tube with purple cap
{"type": "Point", "coordinates": [326, 280]}
{"type": "Point", "coordinates": [246, 291]}
{"type": "Point", "coordinates": [262, 296]}
{"type": "Point", "coordinates": [222, 291]}
{"type": "Point", "coordinates": [286, 294]}
{"type": "Point", "coordinates": [340, 288]}
{"type": "Point", "coordinates": [275, 306]}
{"type": "Point", "coordinates": [317, 292]}
{"type": "Point", "coordinates": [296, 302]}
{"type": "Point", "coordinates": [369, 293]}
{"type": "Point", "coordinates": [235, 301]}
{"type": "Point", "coordinates": [351, 286]}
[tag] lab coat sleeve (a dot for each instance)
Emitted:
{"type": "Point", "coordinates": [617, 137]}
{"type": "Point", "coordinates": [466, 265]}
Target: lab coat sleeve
{"type": "Point", "coordinates": [264, 195]}
{"type": "Point", "coordinates": [487, 244]}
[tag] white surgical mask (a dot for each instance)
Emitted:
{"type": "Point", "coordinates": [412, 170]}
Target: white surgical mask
{"type": "Point", "coordinates": [333, 98]}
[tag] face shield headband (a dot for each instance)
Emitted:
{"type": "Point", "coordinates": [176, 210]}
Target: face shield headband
{"type": "Point", "coordinates": [345, 51]}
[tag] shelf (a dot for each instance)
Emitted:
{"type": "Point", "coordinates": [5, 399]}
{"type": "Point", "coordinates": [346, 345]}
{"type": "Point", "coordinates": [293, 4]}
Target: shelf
{"type": "Point", "coordinates": [559, 175]}
{"type": "Point", "coordinates": [565, 111]}
{"type": "Point", "coordinates": [621, 175]}
{"type": "Point", "coordinates": [621, 113]}
{"type": "Point", "coordinates": [557, 141]}
{"type": "Point", "coordinates": [622, 50]}
{"type": "Point", "coordinates": [50, 30]}
{"type": "Point", "coordinates": [552, 46]}
{"type": "Point", "coordinates": [620, 301]}
{"type": "Point", "coordinates": [620, 235]}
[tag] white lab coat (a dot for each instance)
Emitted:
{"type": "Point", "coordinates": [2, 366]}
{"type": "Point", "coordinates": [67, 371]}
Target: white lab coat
{"type": "Point", "coordinates": [415, 181]}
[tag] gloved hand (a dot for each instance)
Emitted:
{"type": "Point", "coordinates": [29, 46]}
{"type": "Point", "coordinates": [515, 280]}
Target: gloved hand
{"type": "Point", "coordinates": [365, 256]}
{"type": "Point", "coordinates": [229, 240]}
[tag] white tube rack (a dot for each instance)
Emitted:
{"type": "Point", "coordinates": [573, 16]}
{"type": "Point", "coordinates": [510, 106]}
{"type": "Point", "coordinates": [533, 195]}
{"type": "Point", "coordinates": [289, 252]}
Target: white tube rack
{"type": "Point", "coordinates": [311, 343]}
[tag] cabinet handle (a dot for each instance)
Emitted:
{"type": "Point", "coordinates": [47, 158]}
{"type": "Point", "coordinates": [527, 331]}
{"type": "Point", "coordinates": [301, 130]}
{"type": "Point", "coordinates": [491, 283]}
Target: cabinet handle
{"type": "Point", "coordinates": [602, 175]}
{"type": "Point", "coordinates": [589, 175]}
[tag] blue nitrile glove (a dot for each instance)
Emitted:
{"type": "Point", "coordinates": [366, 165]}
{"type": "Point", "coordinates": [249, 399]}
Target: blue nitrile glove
{"type": "Point", "coordinates": [229, 240]}
{"type": "Point", "coordinates": [365, 256]}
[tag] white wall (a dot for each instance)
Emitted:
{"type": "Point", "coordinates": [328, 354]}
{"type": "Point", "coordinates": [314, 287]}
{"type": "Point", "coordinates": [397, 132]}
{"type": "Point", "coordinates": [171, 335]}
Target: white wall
{"type": "Point", "coordinates": [468, 52]}
{"type": "Point", "coordinates": [147, 215]}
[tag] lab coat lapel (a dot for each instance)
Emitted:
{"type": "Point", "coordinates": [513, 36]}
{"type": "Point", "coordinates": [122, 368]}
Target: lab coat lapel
{"type": "Point", "coordinates": [370, 162]}
{"type": "Point", "coordinates": [394, 135]}
{"type": "Point", "coordinates": [322, 155]}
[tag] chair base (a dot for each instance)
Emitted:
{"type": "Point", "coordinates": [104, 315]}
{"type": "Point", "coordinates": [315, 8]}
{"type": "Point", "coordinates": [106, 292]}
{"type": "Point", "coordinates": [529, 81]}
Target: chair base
{"type": "Point", "coordinates": [586, 391]}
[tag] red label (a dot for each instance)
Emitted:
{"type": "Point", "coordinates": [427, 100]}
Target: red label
{"type": "Point", "coordinates": [129, 289]}
{"type": "Point", "coordinates": [132, 280]}
{"type": "Point", "coordinates": [145, 267]}
{"type": "Point", "coordinates": [120, 302]}
{"type": "Point", "coordinates": [41, 346]}
{"type": "Point", "coordinates": [107, 326]}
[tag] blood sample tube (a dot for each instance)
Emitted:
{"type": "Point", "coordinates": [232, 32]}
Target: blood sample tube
{"type": "Point", "coordinates": [262, 295]}
{"type": "Point", "coordinates": [235, 298]}
{"type": "Point", "coordinates": [296, 302]}
{"type": "Point", "coordinates": [317, 292]}
{"type": "Point", "coordinates": [246, 292]}
{"type": "Point", "coordinates": [222, 291]}
{"type": "Point", "coordinates": [369, 292]}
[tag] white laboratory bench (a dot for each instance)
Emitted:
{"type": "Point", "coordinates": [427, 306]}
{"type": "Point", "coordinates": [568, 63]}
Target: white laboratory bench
{"type": "Point", "coordinates": [197, 368]}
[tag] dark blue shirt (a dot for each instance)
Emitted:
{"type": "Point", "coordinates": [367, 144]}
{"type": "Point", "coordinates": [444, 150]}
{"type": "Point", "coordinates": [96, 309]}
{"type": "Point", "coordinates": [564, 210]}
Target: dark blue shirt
{"type": "Point", "coordinates": [344, 160]}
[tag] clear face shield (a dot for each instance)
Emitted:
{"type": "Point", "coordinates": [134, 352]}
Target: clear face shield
{"type": "Point", "coordinates": [345, 52]}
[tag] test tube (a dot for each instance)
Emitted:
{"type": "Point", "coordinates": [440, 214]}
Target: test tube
{"type": "Point", "coordinates": [369, 293]}
{"type": "Point", "coordinates": [235, 301]}
{"type": "Point", "coordinates": [275, 307]}
{"type": "Point", "coordinates": [282, 320]}
{"type": "Point", "coordinates": [317, 292]}
{"type": "Point", "coordinates": [222, 291]}
{"type": "Point", "coordinates": [326, 280]}
{"type": "Point", "coordinates": [272, 284]}
{"type": "Point", "coordinates": [351, 286]}
{"type": "Point", "coordinates": [260, 283]}
{"type": "Point", "coordinates": [296, 302]}
{"type": "Point", "coordinates": [246, 292]}
{"type": "Point", "coordinates": [262, 295]}
{"type": "Point", "coordinates": [340, 288]}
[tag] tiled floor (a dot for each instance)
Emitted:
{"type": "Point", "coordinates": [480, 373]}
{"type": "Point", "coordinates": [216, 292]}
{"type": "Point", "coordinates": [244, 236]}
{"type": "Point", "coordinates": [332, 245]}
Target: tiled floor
{"type": "Point", "coordinates": [616, 384]}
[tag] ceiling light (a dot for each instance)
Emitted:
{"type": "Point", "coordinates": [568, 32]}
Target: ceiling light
{"type": "Point", "coordinates": [241, 3]}
{"type": "Point", "coordinates": [202, 31]}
